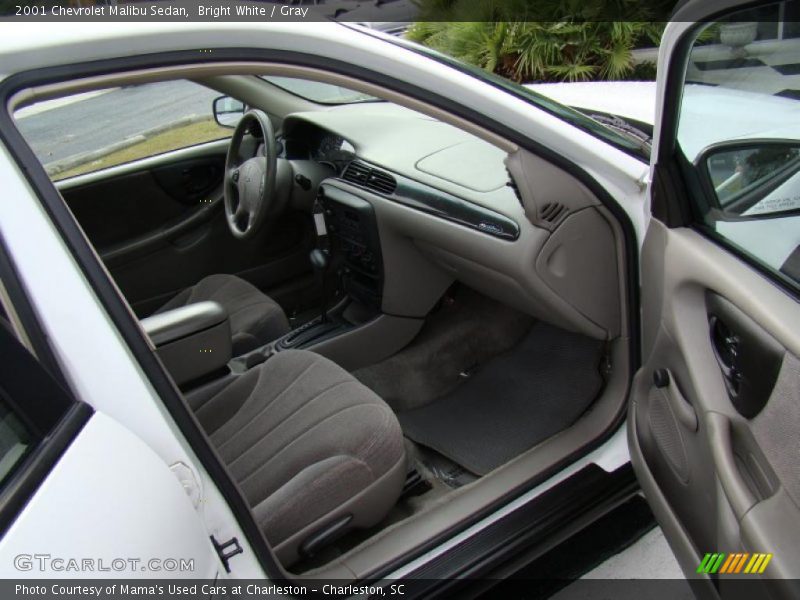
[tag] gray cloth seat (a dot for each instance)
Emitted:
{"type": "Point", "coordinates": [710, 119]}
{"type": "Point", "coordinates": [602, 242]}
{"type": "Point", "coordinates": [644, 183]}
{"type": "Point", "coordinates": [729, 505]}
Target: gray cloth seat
{"type": "Point", "coordinates": [255, 318]}
{"type": "Point", "coordinates": [309, 446]}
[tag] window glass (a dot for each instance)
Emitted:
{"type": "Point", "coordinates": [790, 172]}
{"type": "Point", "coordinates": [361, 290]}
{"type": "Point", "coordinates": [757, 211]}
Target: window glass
{"type": "Point", "coordinates": [38, 417]}
{"type": "Point", "coordinates": [631, 143]}
{"type": "Point", "coordinates": [91, 131]}
{"type": "Point", "coordinates": [739, 126]}
{"type": "Point", "coordinates": [24, 419]}
{"type": "Point", "coordinates": [14, 441]}
{"type": "Point", "coordinates": [319, 92]}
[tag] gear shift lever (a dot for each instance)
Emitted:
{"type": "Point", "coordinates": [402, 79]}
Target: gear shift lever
{"type": "Point", "coordinates": [320, 262]}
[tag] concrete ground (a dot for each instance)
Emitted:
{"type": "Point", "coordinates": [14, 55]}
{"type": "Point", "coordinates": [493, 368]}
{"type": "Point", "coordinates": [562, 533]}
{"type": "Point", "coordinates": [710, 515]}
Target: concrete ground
{"type": "Point", "coordinates": [649, 559]}
{"type": "Point", "coordinates": [65, 127]}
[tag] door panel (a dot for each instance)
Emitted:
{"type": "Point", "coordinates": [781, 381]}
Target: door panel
{"type": "Point", "coordinates": [159, 226]}
{"type": "Point", "coordinates": [715, 412]}
{"type": "Point", "coordinates": [716, 407]}
{"type": "Point", "coordinates": [114, 210]}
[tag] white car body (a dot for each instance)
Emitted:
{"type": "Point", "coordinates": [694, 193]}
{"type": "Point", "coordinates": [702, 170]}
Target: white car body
{"type": "Point", "coordinates": [634, 100]}
{"type": "Point", "coordinates": [124, 397]}
{"type": "Point", "coordinates": [180, 507]}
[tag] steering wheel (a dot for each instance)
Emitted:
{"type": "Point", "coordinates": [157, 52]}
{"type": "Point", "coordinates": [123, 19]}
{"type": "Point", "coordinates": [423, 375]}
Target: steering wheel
{"type": "Point", "coordinates": [250, 178]}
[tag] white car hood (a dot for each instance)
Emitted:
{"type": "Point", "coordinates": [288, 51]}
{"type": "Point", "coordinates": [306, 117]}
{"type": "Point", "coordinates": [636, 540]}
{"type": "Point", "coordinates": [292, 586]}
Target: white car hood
{"type": "Point", "coordinates": [634, 100]}
{"type": "Point", "coordinates": [709, 114]}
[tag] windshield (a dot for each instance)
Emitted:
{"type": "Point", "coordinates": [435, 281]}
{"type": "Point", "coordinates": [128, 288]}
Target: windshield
{"type": "Point", "coordinates": [316, 91]}
{"type": "Point", "coordinates": [626, 143]}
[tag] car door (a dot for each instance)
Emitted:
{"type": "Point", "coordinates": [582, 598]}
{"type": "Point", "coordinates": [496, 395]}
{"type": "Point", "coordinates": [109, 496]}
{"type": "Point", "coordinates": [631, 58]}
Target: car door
{"type": "Point", "coordinates": [145, 184]}
{"type": "Point", "coordinates": [72, 503]}
{"type": "Point", "coordinates": [715, 413]}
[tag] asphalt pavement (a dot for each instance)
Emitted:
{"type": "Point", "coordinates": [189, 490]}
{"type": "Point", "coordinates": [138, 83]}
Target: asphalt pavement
{"type": "Point", "coordinates": [96, 121]}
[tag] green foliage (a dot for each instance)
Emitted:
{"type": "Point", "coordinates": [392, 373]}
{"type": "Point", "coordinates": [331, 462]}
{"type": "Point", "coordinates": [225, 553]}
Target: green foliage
{"type": "Point", "coordinates": [565, 42]}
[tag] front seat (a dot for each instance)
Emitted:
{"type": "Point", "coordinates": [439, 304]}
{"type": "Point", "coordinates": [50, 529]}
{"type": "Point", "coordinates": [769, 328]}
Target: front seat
{"type": "Point", "coordinates": [255, 318]}
{"type": "Point", "coordinates": [315, 452]}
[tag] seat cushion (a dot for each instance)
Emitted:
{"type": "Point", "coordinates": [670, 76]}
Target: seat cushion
{"type": "Point", "coordinates": [308, 445]}
{"type": "Point", "coordinates": [255, 317]}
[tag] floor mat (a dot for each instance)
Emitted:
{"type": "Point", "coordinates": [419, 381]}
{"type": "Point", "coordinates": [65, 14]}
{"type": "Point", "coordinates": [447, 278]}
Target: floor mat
{"type": "Point", "coordinates": [439, 467]}
{"type": "Point", "coordinates": [468, 329]}
{"type": "Point", "coordinates": [512, 402]}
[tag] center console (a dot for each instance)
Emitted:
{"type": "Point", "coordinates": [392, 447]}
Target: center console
{"type": "Point", "coordinates": [193, 341]}
{"type": "Point", "coordinates": [352, 264]}
{"type": "Point", "coordinates": [353, 232]}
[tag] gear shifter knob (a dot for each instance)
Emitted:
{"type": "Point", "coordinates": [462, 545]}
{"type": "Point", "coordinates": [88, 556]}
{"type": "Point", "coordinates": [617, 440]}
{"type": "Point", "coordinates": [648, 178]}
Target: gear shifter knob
{"type": "Point", "coordinates": [319, 260]}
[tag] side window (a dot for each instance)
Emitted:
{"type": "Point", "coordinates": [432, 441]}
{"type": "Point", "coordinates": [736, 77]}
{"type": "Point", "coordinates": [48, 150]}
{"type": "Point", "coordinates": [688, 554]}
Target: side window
{"type": "Point", "coordinates": [15, 440]}
{"type": "Point", "coordinates": [87, 132]}
{"type": "Point", "coordinates": [38, 420]}
{"type": "Point", "coordinates": [738, 127]}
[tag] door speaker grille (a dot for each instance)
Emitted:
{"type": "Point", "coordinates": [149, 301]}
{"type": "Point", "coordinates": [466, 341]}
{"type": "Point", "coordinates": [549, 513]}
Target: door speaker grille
{"type": "Point", "coordinates": [668, 437]}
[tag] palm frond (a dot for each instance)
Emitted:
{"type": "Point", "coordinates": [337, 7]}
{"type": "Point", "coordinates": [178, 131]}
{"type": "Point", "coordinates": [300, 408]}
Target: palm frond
{"type": "Point", "coordinates": [566, 42]}
{"type": "Point", "coordinates": [572, 72]}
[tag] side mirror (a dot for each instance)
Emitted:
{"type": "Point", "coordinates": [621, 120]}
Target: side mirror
{"type": "Point", "coordinates": [228, 111]}
{"type": "Point", "coordinates": [752, 177]}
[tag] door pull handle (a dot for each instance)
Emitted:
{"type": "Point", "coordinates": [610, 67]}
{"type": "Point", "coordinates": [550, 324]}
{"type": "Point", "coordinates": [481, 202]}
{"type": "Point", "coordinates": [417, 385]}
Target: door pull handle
{"type": "Point", "coordinates": [681, 408]}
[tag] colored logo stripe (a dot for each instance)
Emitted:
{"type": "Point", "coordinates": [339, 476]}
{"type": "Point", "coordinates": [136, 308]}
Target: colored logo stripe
{"type": "Point", "coordinates": [711, 562]}
{"type": "Point", "coordinates": [740, 564]}
{"type": "Point", "coordinates": [704, 564]}
{"type": "Point", "coordinates": [720, 562]}
{"type": "Point", "coordinates": [758, 563]}
{"type": "Point", "coordinates": [732, 558]}
{"type": "Point", "coordinates": [737, 562]}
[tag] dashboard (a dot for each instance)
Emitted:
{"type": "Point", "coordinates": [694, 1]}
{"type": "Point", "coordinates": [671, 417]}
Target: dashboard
{"type": "Point", "coordinates": [310, 142]}
{"type": "Point", "coordinates": [442, 207]}
{"type": "Point", "coordinates": [411, 159]}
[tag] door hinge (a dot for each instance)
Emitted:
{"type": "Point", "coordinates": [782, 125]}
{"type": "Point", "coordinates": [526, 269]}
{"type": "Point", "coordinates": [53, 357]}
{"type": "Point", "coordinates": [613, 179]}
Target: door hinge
{"type": "Point", "coordinates": [227, 550]}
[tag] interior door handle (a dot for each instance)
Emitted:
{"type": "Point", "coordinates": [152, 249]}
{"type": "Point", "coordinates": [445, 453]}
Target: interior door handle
{"type": "Point", "coordinates": [736, 490]}
{"type": "Point", "coordinates": [726, 351]}
{"type": "Point", "coordinates": [681, 407]}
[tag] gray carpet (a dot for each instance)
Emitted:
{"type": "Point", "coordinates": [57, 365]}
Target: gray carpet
{"type": "Point", "coordinates": [513, 402]}
{"type": "Point", "coordinates": [468, 329]}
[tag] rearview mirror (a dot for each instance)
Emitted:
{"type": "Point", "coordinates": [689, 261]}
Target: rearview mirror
{"type": "Point", "coordinates": [228, 111]}
{"type": "Point", "coordinates": [753, 177]}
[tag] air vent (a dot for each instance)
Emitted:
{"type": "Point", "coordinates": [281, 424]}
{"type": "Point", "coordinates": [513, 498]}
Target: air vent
{"type": "Point", "coordinates": [372, 179]}
{"type": "Point", "coordinates": [552, 212]}
{"type": "Point", "coordinates": [356, 172]}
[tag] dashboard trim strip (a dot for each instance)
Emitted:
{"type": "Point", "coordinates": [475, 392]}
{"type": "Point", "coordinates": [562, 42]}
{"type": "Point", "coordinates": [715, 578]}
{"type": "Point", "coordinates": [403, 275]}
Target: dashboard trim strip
{"type": "Point", "coordinates": [444, 205]}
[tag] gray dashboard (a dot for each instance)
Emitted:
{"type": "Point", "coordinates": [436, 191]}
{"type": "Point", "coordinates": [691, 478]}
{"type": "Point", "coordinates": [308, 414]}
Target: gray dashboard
{"type": "Point", "coordinates": [412, 145]}
{"type": "Point", "coordinates": [446, 212]}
